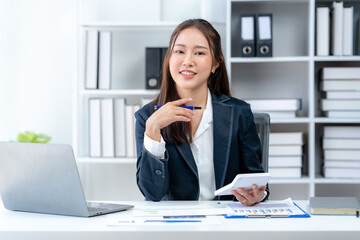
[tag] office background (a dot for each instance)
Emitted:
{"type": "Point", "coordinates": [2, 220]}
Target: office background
{"type": "Point", "coordinates": [39, 72]}
{"type": "Point", "coordinates": [37, 45]}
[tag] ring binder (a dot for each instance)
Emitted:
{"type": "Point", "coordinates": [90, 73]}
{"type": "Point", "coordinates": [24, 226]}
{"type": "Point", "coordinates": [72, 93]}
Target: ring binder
{"type": "Point", "coordinates": [337, 15]}
{"type": "Point", "coordinates": [264, 35]}
{"type": "Point", "coordinates": [322, 31]}
{"type": "Point", "coordinates": [91, 61]}
{"type": "Point", "coordinates": [154, 60]}
{"type": "Point", "coordinates": [358, 37]}
{"type": "Point", "coordinates": [247, 35]}
{"type": "Point", "coordinates": [153, 56]}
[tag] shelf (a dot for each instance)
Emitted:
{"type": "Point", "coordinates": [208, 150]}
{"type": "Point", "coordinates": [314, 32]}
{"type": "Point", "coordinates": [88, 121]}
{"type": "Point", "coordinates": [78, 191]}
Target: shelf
{"type": "Point", "coordinates": [268, 59]}
{"type": "Point", "coordinates": [124, 92]}
{"type": "Point", "coordinates": [290, 180]}
{"type": "Point", "coordinates": [290, 120]}
{"type": "Point", "coordinates": [125, 160]}
{"type": "Point", "coordinates": [124, 25]}
{"type": "Point", "coordinates": [128, 24]}
{"type": "Point", "coordinates": [336, 120]}
{"type": "Point", "coordinates": [337, 59]}
{"type": "Point", "coordinates": [323, 180]}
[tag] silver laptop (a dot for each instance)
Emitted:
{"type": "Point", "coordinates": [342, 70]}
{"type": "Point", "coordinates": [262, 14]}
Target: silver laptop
{"type": "Point", "coordinates": [44, 178]}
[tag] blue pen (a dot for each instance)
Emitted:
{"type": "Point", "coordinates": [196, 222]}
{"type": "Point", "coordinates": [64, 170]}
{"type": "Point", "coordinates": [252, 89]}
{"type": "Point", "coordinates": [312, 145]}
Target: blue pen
{"type": "Point", "coordinates": [188, 107]}
{"type": "Point", "coordinates": [171, 221]}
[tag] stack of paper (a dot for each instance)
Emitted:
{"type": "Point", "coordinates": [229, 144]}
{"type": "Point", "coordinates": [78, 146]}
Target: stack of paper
{"type": "Point", "coordinates": [286, 154]}
{"type": "Point", "coordinates": [276, 108]}
{"type": "Point", "coordinates": [342, 88]}
{"type": "Point", "coordinates": [341, 146]}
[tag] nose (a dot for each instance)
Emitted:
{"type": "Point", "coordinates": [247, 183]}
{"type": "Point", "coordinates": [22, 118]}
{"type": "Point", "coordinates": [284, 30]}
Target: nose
{"type": "Point", "coordinates": [188, 60]}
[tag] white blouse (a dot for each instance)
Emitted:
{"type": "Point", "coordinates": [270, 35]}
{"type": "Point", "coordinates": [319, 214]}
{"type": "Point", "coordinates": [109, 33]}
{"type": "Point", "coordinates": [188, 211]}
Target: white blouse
{"type": "Point", "coordinates": [201, 148]}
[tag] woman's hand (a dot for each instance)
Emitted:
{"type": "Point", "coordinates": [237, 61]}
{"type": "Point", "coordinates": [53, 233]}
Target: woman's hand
{"type": "Point", "coordinates": [167, 114]}
{"type": "Point", "coordinates": [250, 197]}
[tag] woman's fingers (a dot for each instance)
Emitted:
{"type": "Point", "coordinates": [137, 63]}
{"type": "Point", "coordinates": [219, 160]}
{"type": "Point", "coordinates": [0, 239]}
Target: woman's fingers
{"type": "Point", "coordinates": [182, 119]}
{"type": "Point", "coordinates": [255, 190]}
{"type": "Point", "coordinates": [179, 111]}
{"type": "Point", "coordinates": [169, 113]}
{"type": "Point", "coordinates": [180, 102]}
{"type": "Point", "coordinates": [172, 111]}
{"type": "Point", "coordinates": [250, 197]}
{"type": "Point", "coordinates": [239, 197]}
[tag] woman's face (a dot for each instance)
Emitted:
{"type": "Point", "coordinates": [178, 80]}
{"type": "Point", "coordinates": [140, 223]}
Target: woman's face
{"type": "Point", "coordinates": [191, 61]}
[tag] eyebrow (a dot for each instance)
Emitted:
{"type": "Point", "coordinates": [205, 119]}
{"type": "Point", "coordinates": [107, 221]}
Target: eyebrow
{"type": "Point", "coordinates": [197, 46]}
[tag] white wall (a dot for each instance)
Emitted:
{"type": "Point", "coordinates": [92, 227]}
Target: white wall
{"type": "Point", "coordinates": [37, 64]}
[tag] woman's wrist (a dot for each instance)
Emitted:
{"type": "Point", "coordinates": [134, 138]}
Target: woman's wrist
{"type": "Point", "coordinates": [153, 133]}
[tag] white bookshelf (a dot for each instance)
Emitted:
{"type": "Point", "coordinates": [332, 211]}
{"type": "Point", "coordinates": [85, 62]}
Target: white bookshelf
{"type": "Point", "coordinates": [291, 73]}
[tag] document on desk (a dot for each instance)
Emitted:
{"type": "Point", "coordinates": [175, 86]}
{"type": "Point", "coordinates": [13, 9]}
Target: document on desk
{"type": "Point", "coordinates": [172, 214]}
{"type": "Point", "coordinates": [212, 209]}
{"type": "Point", "coordinates": [284, 208]}
{"type": "Point", "coordinates": [123, 220]}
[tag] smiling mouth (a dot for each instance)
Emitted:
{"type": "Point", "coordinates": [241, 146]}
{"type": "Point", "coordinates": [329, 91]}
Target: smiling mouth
{"type": "Point", "coordinates": [188, 73]}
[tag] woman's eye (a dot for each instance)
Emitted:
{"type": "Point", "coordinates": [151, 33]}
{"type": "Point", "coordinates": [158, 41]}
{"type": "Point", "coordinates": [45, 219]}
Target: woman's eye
{"type": "Point", "coordinates": [178, 51]}
{"type": "Point", "coordinates": [199, 53]}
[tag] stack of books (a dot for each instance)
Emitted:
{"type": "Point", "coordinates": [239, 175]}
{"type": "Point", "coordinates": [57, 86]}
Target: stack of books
{"type": "Point", "coordinates": [112, 128]}
{"type": "Point", "coordinates": [341, 146]}
{"type": "Point", "coordinates": [334, 205]}
{"type": "Point", "coordinates": [341, 86]}
{"type": "Point", "coordinates": [336, 28]}
{"type": "Point", "coordinates": [276, 108]}
{"type": "Point", "coordinates": [286, 154]}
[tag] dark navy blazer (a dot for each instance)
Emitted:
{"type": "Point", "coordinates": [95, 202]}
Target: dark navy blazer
{"type": "Point", "coordinates": [237, 149]}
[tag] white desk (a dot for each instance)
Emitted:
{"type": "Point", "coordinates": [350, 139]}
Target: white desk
{"type": "Point", "coordinates": [20, 225]}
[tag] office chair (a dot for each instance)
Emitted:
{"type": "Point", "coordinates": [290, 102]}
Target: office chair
{"type": "Point", "coordinates": [262, 122]}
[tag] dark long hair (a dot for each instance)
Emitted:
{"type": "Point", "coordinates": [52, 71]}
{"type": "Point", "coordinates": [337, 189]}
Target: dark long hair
{"type": "Point", "coordinates": [218, 82]}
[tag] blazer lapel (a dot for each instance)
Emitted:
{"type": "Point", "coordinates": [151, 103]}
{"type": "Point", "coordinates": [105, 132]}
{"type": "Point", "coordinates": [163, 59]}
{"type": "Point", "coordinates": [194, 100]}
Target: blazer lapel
{"type": "Point", "coordinates": [222, 120]}
{"type": "Point", "coordinates": [185, 151]}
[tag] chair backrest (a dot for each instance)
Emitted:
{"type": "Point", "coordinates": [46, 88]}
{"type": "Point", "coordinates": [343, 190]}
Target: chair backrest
{"type": "Point", "coordinates": [262, 122]}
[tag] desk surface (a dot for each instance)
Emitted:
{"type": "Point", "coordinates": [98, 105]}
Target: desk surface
{"type": "Point", "coordinates": [21, 225]}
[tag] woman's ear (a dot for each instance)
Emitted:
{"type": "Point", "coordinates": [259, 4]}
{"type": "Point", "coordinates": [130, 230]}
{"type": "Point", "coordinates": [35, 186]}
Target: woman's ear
{"type": "Point", "coordinates": [215, 66]}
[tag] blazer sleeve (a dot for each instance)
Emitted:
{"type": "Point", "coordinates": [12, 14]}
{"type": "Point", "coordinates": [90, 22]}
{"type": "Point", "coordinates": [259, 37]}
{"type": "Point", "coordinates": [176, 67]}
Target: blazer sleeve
{"type": "Point", "coordinates": [251, 148]}
{"type": "Point", "coordinates": [250, 144]}
{"type": "Point", "coordinates": [152, 174]}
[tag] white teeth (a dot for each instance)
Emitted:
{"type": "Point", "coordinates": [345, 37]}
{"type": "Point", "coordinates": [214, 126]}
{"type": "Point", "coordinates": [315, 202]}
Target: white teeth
{"type": "Point", "coordinates": [188, 73]}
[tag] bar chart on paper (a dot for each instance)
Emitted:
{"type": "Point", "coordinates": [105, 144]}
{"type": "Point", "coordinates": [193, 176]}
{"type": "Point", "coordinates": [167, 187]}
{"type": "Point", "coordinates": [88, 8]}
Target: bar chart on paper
{"type": "Point", "coordinates": [284, 208]}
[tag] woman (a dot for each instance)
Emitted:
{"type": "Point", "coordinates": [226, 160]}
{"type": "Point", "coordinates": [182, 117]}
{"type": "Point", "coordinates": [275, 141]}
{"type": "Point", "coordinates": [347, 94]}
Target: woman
{"type": "Point", "coordinates": [186, 154]}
